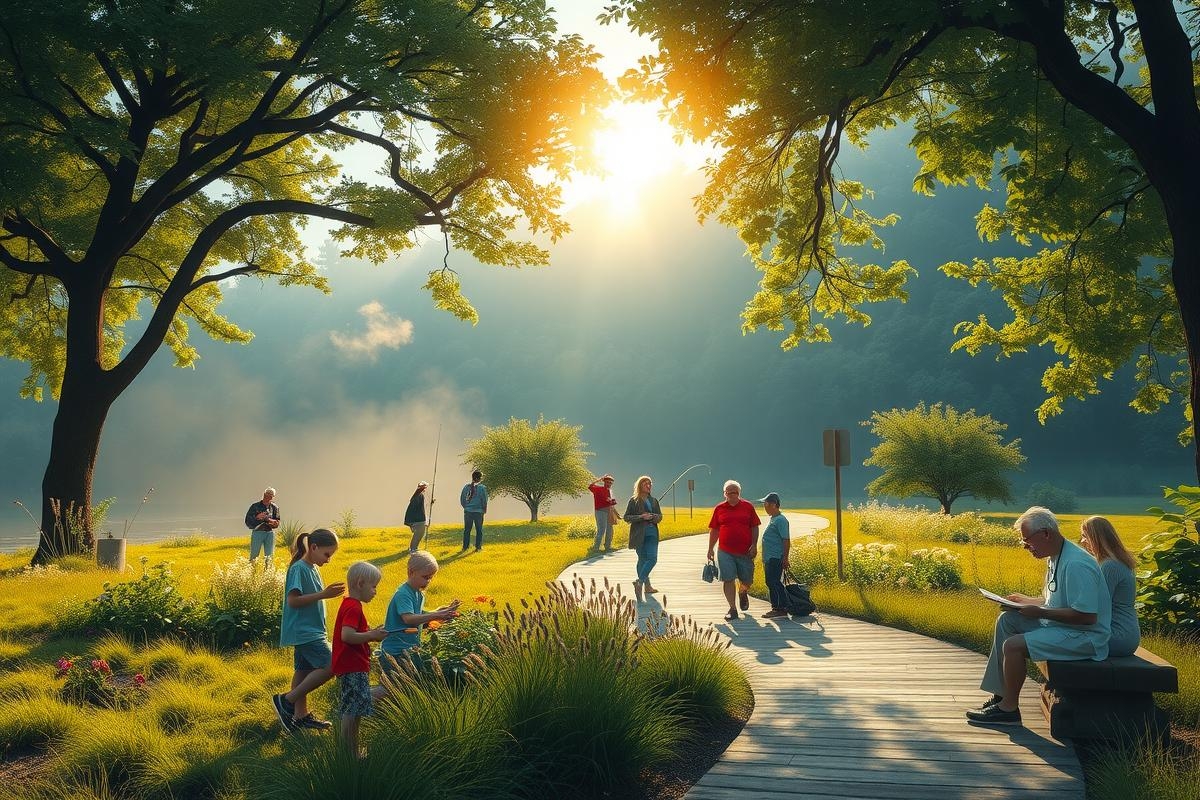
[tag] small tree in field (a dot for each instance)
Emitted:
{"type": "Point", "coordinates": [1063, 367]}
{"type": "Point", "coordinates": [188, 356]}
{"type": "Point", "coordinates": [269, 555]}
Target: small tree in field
{"type": "Point", "coordinates": [941, 453]}
{"type": "Point", "coordinates": [532, 463]}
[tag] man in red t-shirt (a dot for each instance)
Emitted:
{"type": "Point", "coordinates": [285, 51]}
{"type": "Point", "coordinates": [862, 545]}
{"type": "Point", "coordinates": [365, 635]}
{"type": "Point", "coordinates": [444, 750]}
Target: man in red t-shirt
{"type": "Point", "coordinates": [734, 528]}
{"type": "Point", "coordinates": [601, 490]}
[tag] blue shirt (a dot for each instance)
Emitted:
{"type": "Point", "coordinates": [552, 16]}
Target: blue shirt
{"type": "Point", "coordinates": [307, 623]}
{"type": "Point", "coordinates": [406, 600]}
{"type": "Point", "coordinates": [651, 528]}
{"type": "Point", "coordinates": [1078, 584]}
{"type": "Point", "coordinates": [1122, 586]}
{"type": "Point", "coordinates": [777, 532]}
{"type": "Point", "coordinates": [476, 502]}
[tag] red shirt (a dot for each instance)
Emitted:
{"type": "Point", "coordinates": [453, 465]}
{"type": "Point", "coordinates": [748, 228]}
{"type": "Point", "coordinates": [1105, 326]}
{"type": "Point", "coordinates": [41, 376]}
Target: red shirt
{"type": "Point", "coordinates": [734, 524]}
{"type": "Point", "coordinates": [349, 658]}
{"type": "Point", "coordinates": [602, 495]}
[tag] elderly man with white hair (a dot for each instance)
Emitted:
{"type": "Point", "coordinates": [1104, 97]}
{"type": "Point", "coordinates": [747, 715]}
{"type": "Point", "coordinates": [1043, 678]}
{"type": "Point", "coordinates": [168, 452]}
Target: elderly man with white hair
{"type": "Point", "coordinates": [262, 518]}
{"type": "Point", "coordinates": [733, 535]}
{"type": "Point", "coordinates": [1069, 622]}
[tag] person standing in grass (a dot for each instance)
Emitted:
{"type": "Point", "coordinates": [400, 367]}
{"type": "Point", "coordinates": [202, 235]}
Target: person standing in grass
{"type": "Point", "coordinates": [406, 613]}
{"type": "Point", "coordinates": [262, 519]}
{"type": "Point", "coordinates": [303, 628]}
{"type": "Point", "coordinates": [601, 490]}
{"type": "Point", "coordinates": [1099, 537]}
{"type": "Point", "coordinates": [352, 651]}
{"type": "Point", "coordinates": [474, 499]}
{"type": "Point", "coordinates": [776, 545]}
{"type": "Point", "coordinates": [1069, 622]}
{"type": "Point", "coordinates": [643, 515]}
{"type": "Point", "coordinates": [733, 528]}
{"type": "Point", "coordinates": [415, 517]}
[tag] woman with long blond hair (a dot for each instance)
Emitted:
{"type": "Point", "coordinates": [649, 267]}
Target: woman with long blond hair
{"type": "Point", "coordinates": [643, 515]}
{"type": "Point", "coordinates": [1099, 537]}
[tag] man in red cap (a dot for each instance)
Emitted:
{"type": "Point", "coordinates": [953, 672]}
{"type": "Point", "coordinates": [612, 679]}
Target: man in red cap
{"type": "Point", "coordinates": [601, 490]}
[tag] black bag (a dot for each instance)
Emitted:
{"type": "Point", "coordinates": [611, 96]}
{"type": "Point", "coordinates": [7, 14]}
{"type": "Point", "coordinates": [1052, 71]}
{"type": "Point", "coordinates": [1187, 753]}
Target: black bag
{"type": "Point", "coordinates": [799, 602]}
{"type": "Point", "coordinates": [709, 573]}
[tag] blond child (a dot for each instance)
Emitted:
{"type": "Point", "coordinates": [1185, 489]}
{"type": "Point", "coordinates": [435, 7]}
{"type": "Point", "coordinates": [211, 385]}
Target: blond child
{"type": "Point", "coordinates": [352, 651]}
{"type": "Point", "coordinates": [406, 612]}
{"type": "Point", "coordinates": [303, 628]}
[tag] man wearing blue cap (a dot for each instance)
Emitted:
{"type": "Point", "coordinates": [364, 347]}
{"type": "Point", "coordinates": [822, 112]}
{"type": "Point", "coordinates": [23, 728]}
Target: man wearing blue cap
{"type": "Point", "coordinates": [775, 548]}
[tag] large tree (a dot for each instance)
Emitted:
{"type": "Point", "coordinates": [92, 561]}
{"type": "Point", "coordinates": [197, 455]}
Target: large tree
{"type": "Point", "coordinates": [941, 453]}
{"type": "Point", "coordinates": [152, 151]}
{"type": "Point", "coordinates": [533, 463]}
{"type": "Point", "coordinates": [1083, 112]}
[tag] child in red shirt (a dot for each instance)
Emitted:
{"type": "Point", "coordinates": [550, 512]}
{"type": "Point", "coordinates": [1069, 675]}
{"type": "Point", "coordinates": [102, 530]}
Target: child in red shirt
{"type": "Point", "coordinates": [352, 651]}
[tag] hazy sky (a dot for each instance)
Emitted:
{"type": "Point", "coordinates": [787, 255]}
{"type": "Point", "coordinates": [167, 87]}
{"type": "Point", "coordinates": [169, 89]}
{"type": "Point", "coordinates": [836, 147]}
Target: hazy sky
{"type": "Point", "coordinates": [633, 333]}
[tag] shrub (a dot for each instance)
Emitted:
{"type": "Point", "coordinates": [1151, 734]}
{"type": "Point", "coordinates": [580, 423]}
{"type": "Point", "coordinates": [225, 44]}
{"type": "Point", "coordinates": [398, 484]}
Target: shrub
{"type": "Point", "coordinates": [1169, 589]}
{"type": "Point", "coordinates": [147, 607]}
{"type": "Point", "coordinates": [244, 604]}
{"type": "Point", "coordinates": [904, 523]}
{"type": "Point", "coordinates": [691, 667]}
{"type": "Point", "coordinates": [287, 532]}
{"type": "Point", "coordinates": [92, 682]}
{"type": "Point", "coordinates": [346, 526]}
{"type": "Point", "coordinates": [35, 721]}
{"type": "Point", "coordinates": [186, 540]}
{"type": "Point", "coordinates": [1061, 501]}
{"type": "Point", "coordinates": [883, 564]}
{"type": "Point", "coordinates": [467, 634]}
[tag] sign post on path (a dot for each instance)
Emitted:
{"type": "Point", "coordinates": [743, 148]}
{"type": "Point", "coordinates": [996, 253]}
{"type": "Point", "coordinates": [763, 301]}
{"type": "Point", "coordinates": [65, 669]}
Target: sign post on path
{"type": "Point", "coordinates": [836, 451]}
{"type": "Point", "coordinates": [691, 488]}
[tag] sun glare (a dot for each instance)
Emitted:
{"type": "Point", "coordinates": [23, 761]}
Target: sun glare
{"type": "Point", "coordinates": [634, 150]}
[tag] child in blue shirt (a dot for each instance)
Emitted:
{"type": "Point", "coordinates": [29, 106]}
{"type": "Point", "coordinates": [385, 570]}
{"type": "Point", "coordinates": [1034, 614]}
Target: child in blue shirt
{"type": "Point", "coordinates": [406, 612]}
{"type": "Point", "coordinates": [303, 628]}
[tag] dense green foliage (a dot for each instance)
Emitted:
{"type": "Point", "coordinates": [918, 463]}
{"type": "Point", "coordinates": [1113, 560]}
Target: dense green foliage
{"type": "Point", "coordinates": [1169, 586]}
{"type": "Point", "coordinates": [941, 453]}
{"type": "Point", "coordinates": [152, 153]}
{"type": "Point", "coordinates": [1047, 495]}
{"type": "Point", "coordinates": [1079, 111]}
{"type": "Point", "coordinates": [533, 463]}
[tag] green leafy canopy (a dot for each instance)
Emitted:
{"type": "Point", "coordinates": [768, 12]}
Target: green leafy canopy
{"type": "Point", "coordinates": [1050, 103]}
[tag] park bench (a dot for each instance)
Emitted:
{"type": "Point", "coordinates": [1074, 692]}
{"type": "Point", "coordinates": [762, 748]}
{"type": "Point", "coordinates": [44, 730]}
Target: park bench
{"type": "Point", "coordinates": [1111, 699]}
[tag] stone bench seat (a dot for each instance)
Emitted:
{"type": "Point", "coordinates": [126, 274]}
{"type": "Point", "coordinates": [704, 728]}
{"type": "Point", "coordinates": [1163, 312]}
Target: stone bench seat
{"type": "Point", "coordinates": [1111, 699]}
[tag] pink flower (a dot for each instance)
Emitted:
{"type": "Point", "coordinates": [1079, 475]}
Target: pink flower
{"type": "Point", "coordinates": [101, 665]}
{"type": "Point", "coordinates": [139, 679]}
{"type": "Point", "coordinates": [63, 664]}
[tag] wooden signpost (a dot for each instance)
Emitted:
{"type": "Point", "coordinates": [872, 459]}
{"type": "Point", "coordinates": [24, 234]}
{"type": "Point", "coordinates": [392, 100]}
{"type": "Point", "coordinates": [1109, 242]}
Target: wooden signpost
{"type": "Point", "coordinates": [836, 451]}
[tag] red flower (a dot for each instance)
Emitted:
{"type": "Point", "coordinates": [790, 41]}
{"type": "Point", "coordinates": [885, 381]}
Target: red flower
{"type": "Point", "coordinates": [139, 679]}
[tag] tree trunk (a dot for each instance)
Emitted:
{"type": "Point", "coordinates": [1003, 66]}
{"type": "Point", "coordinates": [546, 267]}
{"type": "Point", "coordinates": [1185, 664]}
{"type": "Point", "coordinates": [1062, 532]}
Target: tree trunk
{"type": "Point", "coordinates": [1185, 275]}
{"type": "Point", "coordinates": [67, 483]}
{"type": "Point", "coordinates": [946, 503]}
{"type": "Point", "coordinates": [533, 509]}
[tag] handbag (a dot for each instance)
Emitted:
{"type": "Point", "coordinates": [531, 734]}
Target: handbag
{"type": "Point", "coordinates": [799, 601]}
{"type": "Point", "coordinates": [613, 515]}
{"type": "Point", "coordinates": [709, 573]}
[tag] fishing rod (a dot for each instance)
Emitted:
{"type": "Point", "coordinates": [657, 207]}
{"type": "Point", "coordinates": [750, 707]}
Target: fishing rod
{"type": "Point", "coordinates": [433, 482]}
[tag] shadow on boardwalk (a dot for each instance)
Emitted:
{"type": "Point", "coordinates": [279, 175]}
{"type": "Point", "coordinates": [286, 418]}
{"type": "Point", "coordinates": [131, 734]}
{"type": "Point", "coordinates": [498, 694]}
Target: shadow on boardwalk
{"type": "Point", "coordinates": [847, 709]}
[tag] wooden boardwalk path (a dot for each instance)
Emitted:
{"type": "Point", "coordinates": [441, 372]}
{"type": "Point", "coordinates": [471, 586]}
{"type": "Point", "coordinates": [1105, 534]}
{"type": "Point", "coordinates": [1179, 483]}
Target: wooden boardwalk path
{"type": "Point", "coordinates": [847, 709]}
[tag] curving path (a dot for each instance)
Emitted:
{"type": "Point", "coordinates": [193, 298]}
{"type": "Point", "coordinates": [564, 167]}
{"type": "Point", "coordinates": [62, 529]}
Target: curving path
{"type": "Point", "coordinates": [847, 709]}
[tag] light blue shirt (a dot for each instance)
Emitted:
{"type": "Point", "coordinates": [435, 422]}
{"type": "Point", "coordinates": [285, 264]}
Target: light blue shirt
{"type": "Point", "coordinates": [478, 502]}
{"type": "Point", "coordinates": [778, 531]}
{"type": "Point", "coordinates": [1078, 584]}
{"type": "Point", "coordinates": [406, 600]}
{"type": "Point", "coordinates": [1122, 586]}
{"type": "Point", "coordinates": [307, 623]}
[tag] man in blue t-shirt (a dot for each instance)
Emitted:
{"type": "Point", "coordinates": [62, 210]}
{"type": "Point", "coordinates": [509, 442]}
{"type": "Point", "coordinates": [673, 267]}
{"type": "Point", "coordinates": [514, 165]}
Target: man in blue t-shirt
{"type": "Point", "coordinates": [776, 544]}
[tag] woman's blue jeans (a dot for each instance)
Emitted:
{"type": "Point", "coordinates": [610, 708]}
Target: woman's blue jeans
{"type": "Point", "coordinates": [647, 557]}
{"type": "Point", "coordinates": [472, 518]}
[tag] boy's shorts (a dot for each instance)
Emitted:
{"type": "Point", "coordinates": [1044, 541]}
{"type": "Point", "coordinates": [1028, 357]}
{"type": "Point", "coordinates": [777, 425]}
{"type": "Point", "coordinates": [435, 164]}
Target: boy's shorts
{"type": "Point", "coordinates": [356, 700]}
{"type": "Point", "coordinates": [312, 655]}
{"type": "Point", "coordinates": [730, 566]}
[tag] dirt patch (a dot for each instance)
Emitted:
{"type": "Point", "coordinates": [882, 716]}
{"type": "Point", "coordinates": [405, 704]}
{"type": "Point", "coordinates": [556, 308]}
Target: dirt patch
{"type": "Point", "coordinates": [694, 758]}
{"type": "Point", "coordinates": [23, 765]}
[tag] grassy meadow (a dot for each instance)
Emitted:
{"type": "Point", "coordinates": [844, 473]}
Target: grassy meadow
{"type": "Point", "coordinates": [205, 726]}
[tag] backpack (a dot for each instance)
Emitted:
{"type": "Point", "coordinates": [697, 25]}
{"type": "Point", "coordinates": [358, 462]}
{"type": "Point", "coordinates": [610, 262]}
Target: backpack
{"type": "Point", "coordinates": [799, 601]}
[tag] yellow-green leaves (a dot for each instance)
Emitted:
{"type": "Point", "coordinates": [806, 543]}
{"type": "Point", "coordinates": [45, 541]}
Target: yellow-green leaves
{"type": "Point", "coordinates": [447, 295]}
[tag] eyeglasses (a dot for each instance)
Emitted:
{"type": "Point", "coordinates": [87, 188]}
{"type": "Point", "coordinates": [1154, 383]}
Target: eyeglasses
{"type": "Point", "coordinates": [732, 491]}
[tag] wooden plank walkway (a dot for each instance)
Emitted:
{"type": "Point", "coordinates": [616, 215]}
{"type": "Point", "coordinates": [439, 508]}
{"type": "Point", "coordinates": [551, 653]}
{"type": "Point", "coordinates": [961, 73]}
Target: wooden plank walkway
{"type": "Point", "coordinates": [847, 709]}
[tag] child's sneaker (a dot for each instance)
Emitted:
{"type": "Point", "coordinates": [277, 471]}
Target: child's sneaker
{"type": "Point", "coordinates": [285, 711]}
{"type": "Point", "coordinates": [313, 723]}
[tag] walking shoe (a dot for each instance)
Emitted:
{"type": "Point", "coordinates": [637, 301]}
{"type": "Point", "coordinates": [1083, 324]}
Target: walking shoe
{"type": "Point", "coordinates": [313, 723]}
{"type": "Point", "coordinates": [744, 600]}
{"type": "Point", "coordinates": [994, 715]}
{"type": "Point", "coordinates": [991, 701]}
{"type": "Point", "coordinates": [285, 711]}
{"type": "Point", "coordinates": [637, 590]}
{"type": "Point", "coordinates": [648, 589]}
{"type": "Point", "coordinates": [732, 615]}
{"type": "Point", "coordinates": [775, 612]}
